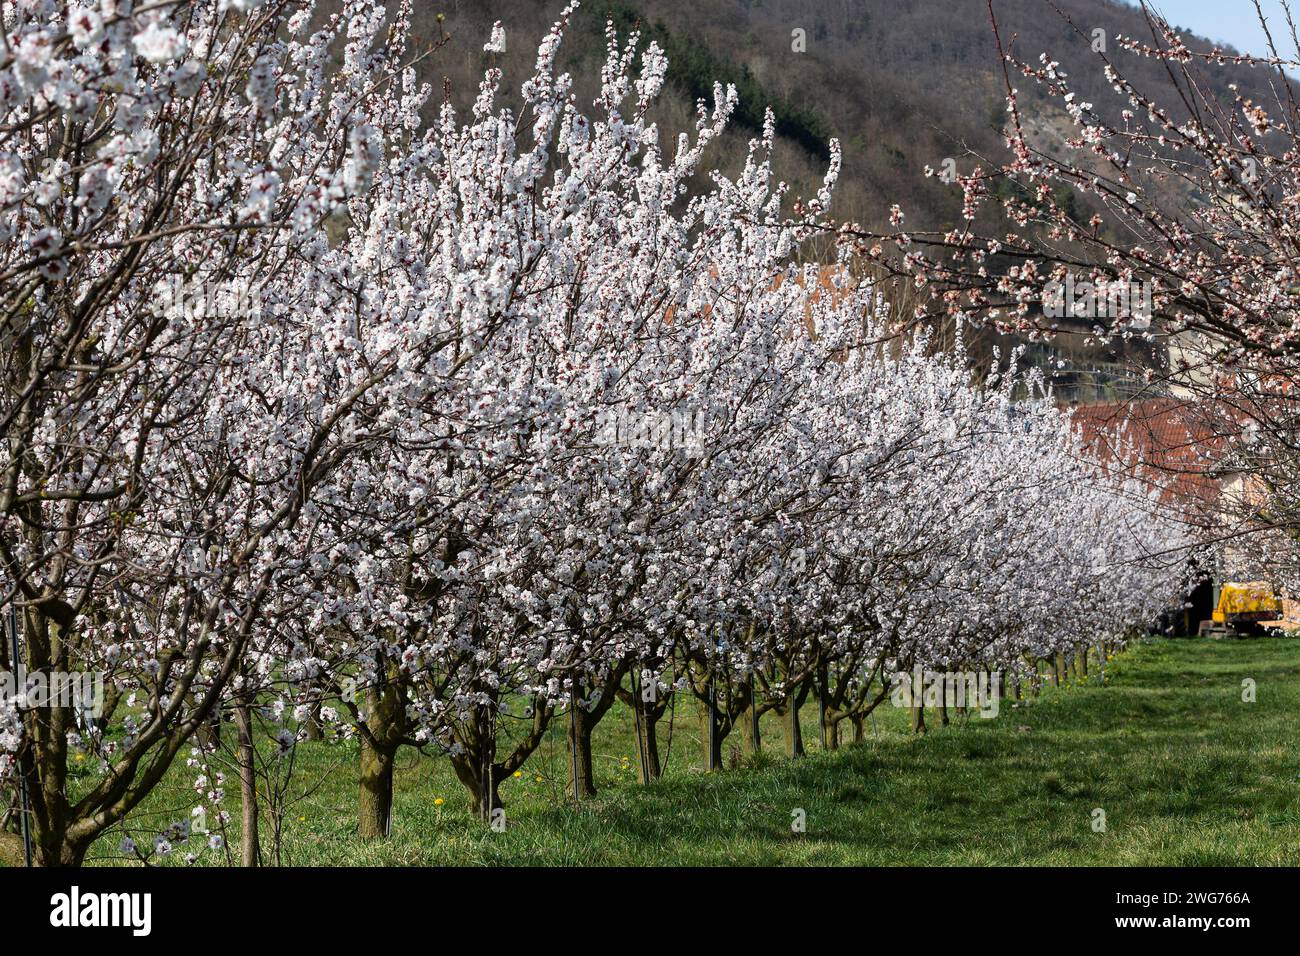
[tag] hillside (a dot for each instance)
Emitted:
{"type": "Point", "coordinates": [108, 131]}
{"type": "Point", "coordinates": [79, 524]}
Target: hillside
{"type": "Point", "coordinates": [903, 85]}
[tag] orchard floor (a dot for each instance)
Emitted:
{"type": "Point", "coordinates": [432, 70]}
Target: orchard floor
{"type": "Point", "coordinates": [1187, 774]}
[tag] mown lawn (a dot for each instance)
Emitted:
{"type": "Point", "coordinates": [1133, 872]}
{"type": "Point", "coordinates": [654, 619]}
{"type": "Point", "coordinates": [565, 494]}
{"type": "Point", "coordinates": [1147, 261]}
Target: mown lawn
{"type": "Point", "coordinates": [1184, 770]}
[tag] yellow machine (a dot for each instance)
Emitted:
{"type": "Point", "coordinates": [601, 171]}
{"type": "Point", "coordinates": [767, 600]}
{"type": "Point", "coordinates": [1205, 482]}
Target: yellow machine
{"type": "Point", "coordinates": [1242, 605]}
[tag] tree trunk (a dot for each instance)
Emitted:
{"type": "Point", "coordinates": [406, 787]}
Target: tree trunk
{"type": "Point", "coordinates": [375, 808]}
{"type": "Point", "coordinates": [56, 854]}
{"type": "Point", "coordinates": [582, 775]}
{"type": "Point", "coordinates": [486, 796]}
{"type": "Point", "coordinates": [711, 733]}
{"type": "Point", "coordinates": [790, 726]}
{"type": "Point", "coordinates": [645, 725]}
{"type": "Point", "coordinates": [473, 770]}
{"type": "Point", "coordinates": [830, 732]}
{"type": "Point", "coordinates": [713, 748]}
{"type": "Point", "coordinates": [918, 719]}
{"type": "Point", "coordinates": [859, 730]}
{"type": "Point", "coordinates": [313, 729]}
{"type": "Point", "coordinates": [250, 851]}
{"type": "Point", "coordinates": [208, 734]}
{"type": "Point", "coordinates": [385, 715]}
{"type": "Point", "coordinates": [752, 739]}
{"type": "Point", "coordinates": [482, 776]}
{"type": "Point", "coordinates": [489, 798]}
{"type": "Point", "coordinates": [648, 742]}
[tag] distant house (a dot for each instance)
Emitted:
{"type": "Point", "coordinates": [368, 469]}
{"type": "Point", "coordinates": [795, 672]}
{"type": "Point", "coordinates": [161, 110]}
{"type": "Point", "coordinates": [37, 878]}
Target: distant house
{"type": "Point", "coordinates": [1175, 444]}
{"type": "Point", "coordinates": [1169, 443]}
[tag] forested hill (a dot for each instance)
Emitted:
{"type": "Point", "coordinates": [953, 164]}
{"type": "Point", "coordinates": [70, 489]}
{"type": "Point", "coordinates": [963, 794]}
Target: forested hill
{"type": "Point", "coordinates": [902, 83]}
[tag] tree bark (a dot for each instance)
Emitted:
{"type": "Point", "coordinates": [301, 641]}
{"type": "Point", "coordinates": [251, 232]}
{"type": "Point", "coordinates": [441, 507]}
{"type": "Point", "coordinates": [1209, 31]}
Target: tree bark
{"type": "Point", "coordinates": [582, 775]}
{"type": "Point", "coordinates": [581, 725]}
{"type": "Point", "coordinates": [712, 741]}
{"type": "Point", "coordinates": [57, 854]}
{"type": "Point", "coordinates": [208, 733]}
{"type": "Point", "coordinates": [484, 795]}
{"type": "Point", "coordinates": [859, 731]}
{"type": "Point", "coordinates": [489, 796]}
{"type": "Point", "coordinates": [651, 769]}
{"type": "Point", "coordinates": [830, 733]}
{"type": "Point", "coordinates": [790, 726]}
{"type": "Point", "coordinates": [382, 736]}
{"type": "Point", "coordinates": [645, 724]}
{"type": "Point", "coordinates": [250, 851]}
{"type": "Point", "coordinates": [752, 739]}
{"type": "Point", "coordinates": [313, 729]}
{"type": "Point", "coordinates": [375, 807]}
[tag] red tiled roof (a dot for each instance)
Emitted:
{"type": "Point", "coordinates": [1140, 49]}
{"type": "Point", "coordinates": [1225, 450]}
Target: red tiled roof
{"type": "Point", "coordinates": [1170, 443]}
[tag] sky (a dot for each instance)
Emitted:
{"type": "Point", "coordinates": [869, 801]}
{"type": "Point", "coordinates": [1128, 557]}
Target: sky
{"type": "Point", "coordinates": [1232, 21]}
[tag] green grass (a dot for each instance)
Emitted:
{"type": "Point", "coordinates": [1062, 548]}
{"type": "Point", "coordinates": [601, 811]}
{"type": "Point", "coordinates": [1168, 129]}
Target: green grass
{"type": "Point", "coordinates": [1186, 773]}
